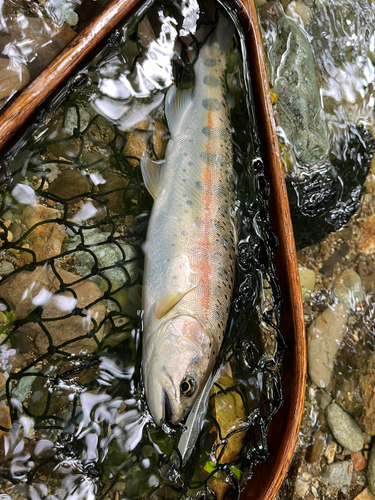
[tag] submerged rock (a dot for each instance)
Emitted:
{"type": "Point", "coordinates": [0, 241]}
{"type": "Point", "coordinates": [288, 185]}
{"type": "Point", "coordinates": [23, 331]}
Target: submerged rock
{"type": "Point", "coordinates": [70, 185]}
{"type": "Point", "coordinates": [323, 341]}
{"type": "Point", "coordinates": [348, 289]}
{"type": "Point", "coordinates": [344, 428]}
{"type": "Point", "coordinates": [365, 416]}
{"type": "Point", "coordinates": [46, 238]}
{"type": "Point", "coordinates": [113, 190]}
{"type": "Point", "coordinates": [33, 294]}
{"type": "Point", "coordinates": [339, 474]}
{"type": "Point", "coordinates": [299, 109]}
{"type": "Point", "coordinates": [12, 80]}
{"type": "Point", "coordinates": [111, 255]}
{"type": "Point", "coordinates": [371, 470]}
{"type": "Point", "coordinates": [307, 279]}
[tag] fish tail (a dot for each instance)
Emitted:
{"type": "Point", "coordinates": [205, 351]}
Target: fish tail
{"type": "Point", "coordinates": [223, 34]}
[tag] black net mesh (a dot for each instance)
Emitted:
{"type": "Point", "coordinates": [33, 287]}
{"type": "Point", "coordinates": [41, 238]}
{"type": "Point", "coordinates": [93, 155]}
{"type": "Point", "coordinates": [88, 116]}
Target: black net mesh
{"type": "Point", "coordinates": [73, 217]}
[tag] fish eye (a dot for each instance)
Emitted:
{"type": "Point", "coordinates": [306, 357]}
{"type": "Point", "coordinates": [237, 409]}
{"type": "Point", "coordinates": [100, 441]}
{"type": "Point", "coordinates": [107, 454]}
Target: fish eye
{"type": "Point", "coordinates": [188, 386]}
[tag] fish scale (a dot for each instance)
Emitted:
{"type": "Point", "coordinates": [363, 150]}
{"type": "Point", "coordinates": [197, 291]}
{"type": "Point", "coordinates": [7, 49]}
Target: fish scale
{"type": "Point", "coordinates": [190, 244]}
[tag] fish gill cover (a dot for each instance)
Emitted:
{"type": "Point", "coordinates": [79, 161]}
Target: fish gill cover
{"type": "Point", "coordinates": [73, 217]}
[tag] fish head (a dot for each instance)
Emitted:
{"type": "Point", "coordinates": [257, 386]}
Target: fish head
{"type": "Point", "coordinates": [178, 368]}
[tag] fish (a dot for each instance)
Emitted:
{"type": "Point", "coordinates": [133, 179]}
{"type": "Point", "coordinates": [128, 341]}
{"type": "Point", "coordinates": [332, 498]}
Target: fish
{"type": "Point", "coordinates": [190, 246]}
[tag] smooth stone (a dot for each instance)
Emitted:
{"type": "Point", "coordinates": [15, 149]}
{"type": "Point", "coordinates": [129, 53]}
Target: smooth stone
{"type": "Point", "coordinates": [315, 449]}
{"type": "Point", "coordinates": [5, 420]}
{"type": "Point", "coordinates": [359, 461]}
{"type": "Point", "coordinates": [6, 267]}
{"type": "Point", "coordinates": [44, 239]}
{"type": "Point", "coordinates": [307, 279]}
{"type": "Point", "coordinates": [344, 428]}
{"type": "Point", "coordinates": [299, 12]}
{"type": "Point", "coordinates": [116, 201]}
{"type": "Point", "coordinates": [24, 385]}
{"type": "Point", "coordinates": [365, 495]}
{"type": "Point", "coordinates": [71, 120]}
{"type": "Point", "coordinates": [301, 488]}
{"type": "Point", "coordinates": [108, 255]}
{"type": "Point", "coordinates": [323, 341]}
{"type": "Point", "coordinates": [371, 470]}
{"type": "Point", "coordinates": [12, 80]}
{"type": "Point", "coordinates": [339, 474]}
{"type": "Point", "coordinates": [43, 283]}
{"type": "Point", "coordinates": [70, 184]}
{"type": "Point", "coordinates": [348, 289]}
{"type": "Point", "coordinates": [323, 398]}
{"type": "Point", "coordinates": [299, 109]}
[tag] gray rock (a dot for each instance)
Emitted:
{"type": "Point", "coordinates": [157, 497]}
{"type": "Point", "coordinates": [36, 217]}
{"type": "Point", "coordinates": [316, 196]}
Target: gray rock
{"type": "Point", "coordinates": [24, 385]}
{"type": "Point", "coordinates": [6, 267]}
{"type": "Point", "coordinates": [109, 255]}
{"type": "Point", "coordinates": [348, 288]}
{"type": "Point", "coordinates": [344, 428]}
{"type": "Point", "coordinates": [323, 341]}
{"type": "Point", "coordinates": [323, 398]}
{"type": "Point", "coordinates": [371, 470]}
{"type": "Point", "coordinates": [294, 80]}
{"type": "Point", "coordinates": [339, 474]}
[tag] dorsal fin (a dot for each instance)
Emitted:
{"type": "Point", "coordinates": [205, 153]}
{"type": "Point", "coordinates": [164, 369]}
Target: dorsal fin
{"type": "Point", "coordinates": [176, 104]}
{"type": "Point", "coordinates": [168, 302]}
{"type": "Point", "coordinates": [152, 173]}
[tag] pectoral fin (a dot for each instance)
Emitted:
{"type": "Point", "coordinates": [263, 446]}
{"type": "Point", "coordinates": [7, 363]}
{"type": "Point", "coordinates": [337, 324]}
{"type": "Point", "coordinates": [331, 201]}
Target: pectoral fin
{"type": "Point", "coordinates": [152, 173]}
{"type": "Point", "coordinates": [168, 302]}
{"type": "Point", "coordinates": [177, 102]}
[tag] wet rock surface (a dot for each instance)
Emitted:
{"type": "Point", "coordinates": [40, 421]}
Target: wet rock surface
{"type": "Point", "coordinates": [344, 428]}
{"type": "Point", "coordinates": [323, 341]}
{"type": "Point", "coordinates": [26, 292]}
{"type": "Point", "coordinates": [339, 474]}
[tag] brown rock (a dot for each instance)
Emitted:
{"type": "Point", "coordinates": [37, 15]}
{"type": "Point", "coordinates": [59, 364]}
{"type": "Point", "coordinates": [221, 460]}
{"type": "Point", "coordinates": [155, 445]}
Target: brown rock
{"type": "Point", "coordinates": [70, 185]}
{"type": "Point", "coordinates": [45, 239]}
{"type": "Point", "coordinates": [315, 449]}
{"type": "Point", "coordinates": [359, 461]}
{"type": "Point", "coordinates": [4, 418]}
{"type": "Point", "coordinates": [2, 382]}
{"type": "Point", "coordinates": [366, 239]}
{"type": "Point", "coordinates": [366, 415]}
{"type": "Point", "coordinates": [45, 39]}
{"type": "Point", "coordinates": [114, 181]}
{"type": "Point", "coordinates": [12, 80]}
{"type": "Point", "coordinates": [137, 142]}
{"type": "Point", "coordinates": [365, 495]}
{"type": "Point", "coordinates": [25, 291]}
{"type": "Point", "coordinates": [159, 138]}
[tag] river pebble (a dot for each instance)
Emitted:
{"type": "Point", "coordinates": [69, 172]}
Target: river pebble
{"type": "Point", "coordinates": [371, 470]}
{"type": "Point", "coordinates": [344, 428]}
{"type": "Point", "coordinates": [307, 279]}
{"type": "Point", "coordinates": [348, 289]}
{"type": "Point", "coordinates": [330, 451]}
{"type": "Point", "coordinates": [12, 80]}
{"type": "Point", "coordinates": [366, 414]}
{"type": "Point", "coordinates": [365, 495]}
{"type": "Point", "coordinates": [314, 451]}
{"type": "Point", "coordinates": [339, 474]}
{"type": "Point", "coordinates": [70, 184]}
{"type": "Point", "coordinates": [41, 285]}
{"type": "Point", "coordinates": [301, 487]}
{"type": "Point", "coordinates": [299, 12]}
{"type": "Point", "coordinates": [323, 341]}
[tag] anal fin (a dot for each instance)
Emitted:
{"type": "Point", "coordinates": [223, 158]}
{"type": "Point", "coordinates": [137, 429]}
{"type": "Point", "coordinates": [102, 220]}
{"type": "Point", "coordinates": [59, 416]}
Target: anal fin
{"type": "Point", "coordinates": [152, 173]}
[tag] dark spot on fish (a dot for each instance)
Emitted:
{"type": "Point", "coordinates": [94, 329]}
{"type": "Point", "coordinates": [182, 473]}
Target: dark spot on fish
{"type": "Point", "coordinates": [212, 104]}
{"type": "Point", "coordinates": [189, 202]}
{"type": "Point", "coordinates": [184, 233]}
{"type": "Point", "coordinates": [199, 184]}
{"type": "Point", "coordinates": [190, 163]}
{"type": "Point", "coordinates": [210, 62]}
{"type": "Point", "coordinates": [212, 81]}
{"type": "Point", "coordinates": [183, 180]}
{"type": "Point", "coordinates": [221, 191]}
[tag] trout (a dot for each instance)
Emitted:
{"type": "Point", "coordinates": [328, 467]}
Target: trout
{"type": "Point", "coordinates": [191, 238]}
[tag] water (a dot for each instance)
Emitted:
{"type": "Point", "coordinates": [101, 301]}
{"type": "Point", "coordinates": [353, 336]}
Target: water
{"type": "Point", "coordinates": [74, 215]}
{"type": "Point", "coordinates": [337, 270]}
{"type": "Point", "coordinates": [32, 33]}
